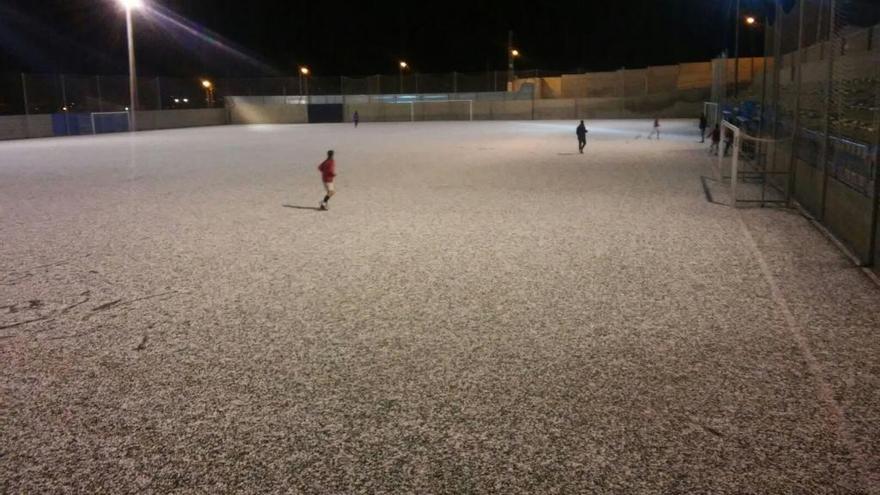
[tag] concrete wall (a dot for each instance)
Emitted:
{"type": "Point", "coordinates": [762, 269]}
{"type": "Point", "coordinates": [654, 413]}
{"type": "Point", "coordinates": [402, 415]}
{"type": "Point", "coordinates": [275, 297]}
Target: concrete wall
{"type": "Point", "coordinates": [695, 75]}
{"type": "Point", "coordinates": [848, 215]}
{"type": "Point", "coordinates": [25, 126]}
{"type": "Point", "coordinates": [250, 113]}
{"type": "Point", "coordinates": [38, 126]}
{"type": "Point", "coordinates": [651, 80]}
{"type": "Point", "coordinates": [176, 119]}
{"type": "Point", "coordinates": [675, 105]}
{"type": "Point", "coordinates": [379, 112]}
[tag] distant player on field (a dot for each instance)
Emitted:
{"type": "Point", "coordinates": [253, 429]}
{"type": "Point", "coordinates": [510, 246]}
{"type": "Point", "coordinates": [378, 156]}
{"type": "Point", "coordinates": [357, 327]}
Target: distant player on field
{"type": "Point", "coordinates": [328, 173]}
{"type": "Point", "coordinates": [356, 118]}
{"type": "Point", "coordinates": [581, 132]}
{"type": "Point", "coordinates": [656, 130]}
{"type": "Point", "coordinates": [703, 125]}
{"type": "Point", "coordinates": [716, 140]}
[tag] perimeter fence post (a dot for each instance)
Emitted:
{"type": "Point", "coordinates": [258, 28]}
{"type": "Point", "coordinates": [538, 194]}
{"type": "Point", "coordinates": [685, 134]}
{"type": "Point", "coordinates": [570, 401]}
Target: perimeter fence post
{"type": "Point", "coordinates": [27, 110]}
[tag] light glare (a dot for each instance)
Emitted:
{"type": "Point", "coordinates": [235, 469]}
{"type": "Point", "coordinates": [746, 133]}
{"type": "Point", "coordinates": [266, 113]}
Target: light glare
{"type": "Point", "coordinates": [132, 4]}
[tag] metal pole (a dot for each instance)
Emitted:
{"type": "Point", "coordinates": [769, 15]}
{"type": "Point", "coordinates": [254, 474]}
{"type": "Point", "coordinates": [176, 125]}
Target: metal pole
{"type": "Point", "coordinates": [792, 171]}
{"type": "Point", "coordinates": [158, 94]}
{"type": "Point", "coordinates": [875, 214]}
{"type": "Point", "coordinates": [829, 85]}
{"type": "Point", "coordinates": [64, 107]}
{"type": "Point", "coordinates": [454, 82]}
{"type": "Point", "coordinates": [401, 80]}
{"type": "Point", "coordinates": [132, 73]}
{"type": "Point", "coordinates": [736, 54]}
{"type": "Point", "coordinates": [27, 110]}
{"type": "Point", "coordinates": [100, 96]}
{"type": "Point", "coordinates": [510, 74]}
{"type": "Point", "coordinates": [24, 94]}
{"type": "Point", "coordinates": [764, 79]}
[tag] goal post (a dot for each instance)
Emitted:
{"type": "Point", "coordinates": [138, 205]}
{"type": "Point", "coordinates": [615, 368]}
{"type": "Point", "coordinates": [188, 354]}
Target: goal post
{"type": "Point", "coordinates": [747, 162]}
{"type": "Point", "coordinates": [712, 111]}
{"type": "Point", "coordinates": [108, 122]}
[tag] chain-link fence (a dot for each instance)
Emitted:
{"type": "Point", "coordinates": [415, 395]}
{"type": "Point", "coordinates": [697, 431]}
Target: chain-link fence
{"type": "Point", "coordinates": [43, 94]}
{"type": "Point", "coordinates": [53, 93]}
{"type": "Point", "coordinates": [819, 98]}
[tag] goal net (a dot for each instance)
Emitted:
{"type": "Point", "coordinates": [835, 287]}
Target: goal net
{"type": "Point", "coordinates": [749, 165]}
{"type": "Point", "coordinates": [106, 122]}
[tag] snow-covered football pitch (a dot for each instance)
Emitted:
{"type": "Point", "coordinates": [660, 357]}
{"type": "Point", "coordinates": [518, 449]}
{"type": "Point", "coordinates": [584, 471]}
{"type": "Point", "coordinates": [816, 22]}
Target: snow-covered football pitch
{"type": "Point", "coordinates": [482, 310]}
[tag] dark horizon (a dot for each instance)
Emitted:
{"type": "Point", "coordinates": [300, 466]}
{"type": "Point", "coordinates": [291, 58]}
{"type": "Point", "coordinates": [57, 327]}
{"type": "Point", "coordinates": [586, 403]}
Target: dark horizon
{"type": "Point", "coordinates": [85, 36]}
{"type": "Point", "coordinates": [88, 36]}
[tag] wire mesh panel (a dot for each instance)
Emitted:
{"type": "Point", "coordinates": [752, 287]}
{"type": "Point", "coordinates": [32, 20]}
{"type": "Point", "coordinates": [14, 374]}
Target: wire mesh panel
{"type": "Point", "coordinates": [852, 102]}
{"type": "Point", "coordinates": [355, 86]}
{"type": "Point", "coordinates": [183, 93]}
{"type": "Point", "coordinates": [821, 106]}
{"type": "Point", "coordinates": [114, 91]}
{"type": "Point", "coordinates": [12, 94]}
{"type": "Point", "coordinates": [44, 93]}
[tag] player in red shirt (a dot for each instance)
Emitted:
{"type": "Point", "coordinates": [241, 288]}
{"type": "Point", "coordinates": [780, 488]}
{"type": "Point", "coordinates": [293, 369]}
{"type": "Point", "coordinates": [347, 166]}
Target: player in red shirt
{"type": "Point", "coordinates": [328, 173]}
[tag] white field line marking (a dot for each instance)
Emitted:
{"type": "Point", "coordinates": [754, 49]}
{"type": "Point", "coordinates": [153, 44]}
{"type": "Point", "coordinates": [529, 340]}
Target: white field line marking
{"type": "Point", "coordinates": [824, 391]}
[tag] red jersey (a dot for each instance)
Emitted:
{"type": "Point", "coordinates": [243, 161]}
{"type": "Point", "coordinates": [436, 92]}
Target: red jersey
{"type": "Point", "coordinates": [328, 170]}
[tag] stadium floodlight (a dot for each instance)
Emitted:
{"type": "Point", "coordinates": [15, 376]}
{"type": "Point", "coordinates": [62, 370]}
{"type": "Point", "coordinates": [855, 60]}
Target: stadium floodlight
{"type": "Point", "coordinates": [403, 67]}
{"type": "Point", "coordinates": [304, 77]}
{"type": "Point", "coordinates": [209, 92]}
{"type": "Point", "coordinates": [514, 52]}
{"type": "Point", "coordinates": [751, 20]}
{"type": "Point", "coordinates": [130, 5]}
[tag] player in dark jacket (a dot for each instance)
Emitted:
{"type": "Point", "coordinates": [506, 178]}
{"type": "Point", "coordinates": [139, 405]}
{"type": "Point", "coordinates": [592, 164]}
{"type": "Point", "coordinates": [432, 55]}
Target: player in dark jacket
{"type": "Point", "coordinates": [581, 132]}
{"type": "Point", "coordinates": [703, 124]}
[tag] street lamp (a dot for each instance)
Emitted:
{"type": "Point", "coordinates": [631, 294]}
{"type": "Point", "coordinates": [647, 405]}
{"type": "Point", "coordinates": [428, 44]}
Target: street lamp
{"type": "Point", "coordinates": [403, 67]}
{"type": "Point", "coordinates": [209, 92]}
{"type": "Point", "coordinates": [130, 5]}
{"type": "Point", "coordinates": [304, 75]}
{"type": "Point", "coordinates": [750, 20]}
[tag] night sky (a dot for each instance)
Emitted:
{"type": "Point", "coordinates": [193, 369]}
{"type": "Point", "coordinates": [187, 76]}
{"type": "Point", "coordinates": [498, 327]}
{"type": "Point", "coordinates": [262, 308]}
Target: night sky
{"type": "Point", "coordinates": [360, 37]}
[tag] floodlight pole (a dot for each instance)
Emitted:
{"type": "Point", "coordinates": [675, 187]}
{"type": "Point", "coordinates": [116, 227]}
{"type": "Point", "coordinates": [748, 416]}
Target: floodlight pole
{"type": "Point", "coordinates": [510, 69]}
{"type": "Point", "coordinates": [736, 53]}
{"type": "Point", "coordinates": [132, 73]}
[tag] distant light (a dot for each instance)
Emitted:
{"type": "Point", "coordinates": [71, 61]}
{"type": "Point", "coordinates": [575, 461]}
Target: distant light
{"type": "Point", "coordinates": [750, 20]}
{"type": "Point", "coordinates": [64, 108]}
{"type": "Point", "coordinates": [177, 100]}
{"type": "Point", "coordinates": [514, 52]}
{"type": "Point", "coordinates": [207, 84]}
{"type": "Point", "coordinates": [126, 109]}
{"type": "Point", "coordinates": [403, 65]}
{"type": "Point", "coordinates": [132, 4]}
{"type": "Point", "coordinates": [186, 100]}
{"type": "Point", "coordinates": [304, 71]}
